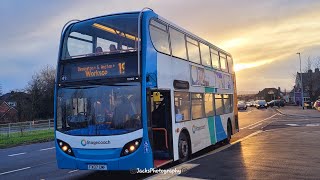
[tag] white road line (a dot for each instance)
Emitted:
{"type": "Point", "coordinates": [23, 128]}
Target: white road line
{"type": "Point", "coordinates": [14, 171]}
{"type": "Point", "coordinates": [17, 154]}
{"type": "Point", "coordinates": [252, 127]}
{"type": "Point", "coordinates": [47, 149]}
{"type": "Point", "coordinates": [244, 138]}
{"type": "Point", "coordinates": [259, 121]}
{"type": "Point", "coordinates": [249, 112]}
{"type": "Point", "coordinates": [73, 171]}
{"type": "Point", "coordinates": [292, 124]}
{"type": "Point", "coordinates": [181, 166]}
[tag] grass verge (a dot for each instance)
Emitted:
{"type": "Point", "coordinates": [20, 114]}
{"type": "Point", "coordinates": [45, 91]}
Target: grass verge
{"type": "Point", "coordinates": [17, 138]}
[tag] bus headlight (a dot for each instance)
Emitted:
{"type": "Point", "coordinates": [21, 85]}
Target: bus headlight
{"type": "Point", "coordinates": [65, 147]}
{"type": "Point", "coordinates": [130, 147]}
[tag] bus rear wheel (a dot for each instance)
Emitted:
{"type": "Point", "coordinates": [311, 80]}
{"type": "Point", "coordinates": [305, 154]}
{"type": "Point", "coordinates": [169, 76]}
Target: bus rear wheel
{"type": "Point", "coordinates": [229, 132]}
{"type": "Point", "coordinates": [183, 148]}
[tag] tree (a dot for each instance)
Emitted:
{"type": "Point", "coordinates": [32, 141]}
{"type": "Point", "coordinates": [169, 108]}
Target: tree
{"type": "Point", "coordinates": [310, 79]}
{"type": "Point", "coordinates": [41, 89]}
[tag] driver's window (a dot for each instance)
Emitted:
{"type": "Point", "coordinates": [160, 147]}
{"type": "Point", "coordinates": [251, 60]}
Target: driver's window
{"type": "Point", "coordinates": [79, 105]}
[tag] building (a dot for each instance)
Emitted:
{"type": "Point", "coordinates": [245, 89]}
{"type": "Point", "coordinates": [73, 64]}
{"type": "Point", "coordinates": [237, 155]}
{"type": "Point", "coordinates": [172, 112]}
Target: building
{"type": "Point", "coordinates": [311, 86]}
{"type": "Point", "coordinates": [8, 114]}
{"type": "Point", "coordinates": [269, 94]}
{"type": "Point", "coordinates": [15, 106]}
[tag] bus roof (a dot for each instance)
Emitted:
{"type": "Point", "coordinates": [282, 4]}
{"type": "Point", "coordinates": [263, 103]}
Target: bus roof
{"type": "Point", "coordinates": [169, 22]}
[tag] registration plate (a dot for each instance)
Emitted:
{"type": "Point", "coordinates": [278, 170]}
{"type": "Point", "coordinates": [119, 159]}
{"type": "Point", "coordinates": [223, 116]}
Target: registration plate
{"type": "Point", "coordinates": [97, 167]}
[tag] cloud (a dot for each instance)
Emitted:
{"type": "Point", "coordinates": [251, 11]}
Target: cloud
{"type": "Point", "coordinates": [259, 34]}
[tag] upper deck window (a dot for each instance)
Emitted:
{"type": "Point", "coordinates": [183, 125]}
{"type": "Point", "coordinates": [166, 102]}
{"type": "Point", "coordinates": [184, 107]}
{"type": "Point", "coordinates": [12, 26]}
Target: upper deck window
{"type": "Point", "coordinates": [159, 36]}
{"type": "Point", "coordinates": [230, 64]}
{"type": "Point", "coordinates": [178, 43]}
{"type": "Point", "coordinates": [223, 62]}
{"type": "Point", "coordinates": [215, 59]}
{"type": "Point", "coordinates": [205, 55]}
{"type": "Point", "coordinates": [193, 50]}
{"type": "Point", "coordinates": [102, 35]}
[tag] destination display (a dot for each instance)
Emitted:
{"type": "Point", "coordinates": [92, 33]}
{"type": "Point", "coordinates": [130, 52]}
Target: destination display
{"type": "Point", "coordinates": [100, 69]}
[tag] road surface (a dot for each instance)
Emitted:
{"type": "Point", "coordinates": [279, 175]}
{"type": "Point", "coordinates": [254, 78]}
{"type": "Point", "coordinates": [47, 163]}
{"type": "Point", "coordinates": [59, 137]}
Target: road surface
{"type": "Point", "coordinates": [37, 161]}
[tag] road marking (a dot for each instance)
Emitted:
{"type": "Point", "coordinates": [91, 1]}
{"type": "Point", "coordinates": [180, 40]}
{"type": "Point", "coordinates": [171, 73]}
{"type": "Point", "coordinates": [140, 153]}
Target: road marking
{"type": "Point", "coordinates": [244, 138]}
{"type": "Point", "coordinates": [255, 126]}
{"type": "Point", "coordinates": [249, 111]}
{"type": "Point", "coordinates": [14, 171]}
{"type": "Point", "coordinates": [313, 125]}
{"type": "Point", "coordinates": [17, 154]}
{"type": "Point", "coordinates": [181, 166]}
{"type": "Point", "coordinates": [47, 149]}
{"type": "Point", "coordinates": [259, 121]}
{"type": "Point", "coordinates": [292, 124]}
{"type": "Point", "coordinates": [73, 171]}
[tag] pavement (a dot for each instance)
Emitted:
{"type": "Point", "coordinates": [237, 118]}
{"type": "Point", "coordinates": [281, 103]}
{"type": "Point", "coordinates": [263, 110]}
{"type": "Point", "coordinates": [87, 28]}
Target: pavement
{"type": "Point", "coordinates": [298, 111]}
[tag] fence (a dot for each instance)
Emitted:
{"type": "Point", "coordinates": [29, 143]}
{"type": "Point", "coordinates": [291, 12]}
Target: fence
{"type": "Point", "coordinates": [21, 127]}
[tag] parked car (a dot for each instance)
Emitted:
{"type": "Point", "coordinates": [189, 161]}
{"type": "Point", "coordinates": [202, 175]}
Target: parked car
{"type": "Point", "coordinates": [278, 102]}
{"type": "Point", "coordinates": [316, 105]}
{"type": "Point", "coordinates": [261, 104]}
{"type": "Point", "coordinates": [242, 105]}
{"type": "Point", "coordinates": [249, 104]}
{"type": "Point", "coordinates": [308, 104]}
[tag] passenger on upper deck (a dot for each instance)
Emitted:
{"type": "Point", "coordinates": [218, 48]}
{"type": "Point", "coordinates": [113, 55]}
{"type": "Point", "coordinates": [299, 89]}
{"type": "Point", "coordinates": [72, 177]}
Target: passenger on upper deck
{"type": "Point", "coordinates": [112, 48]}
{"type": "Point", "coordinates": [99, 50]}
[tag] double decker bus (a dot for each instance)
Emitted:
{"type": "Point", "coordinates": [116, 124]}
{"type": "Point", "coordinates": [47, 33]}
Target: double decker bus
{"type": "Point", "coordinates": [133, 90]}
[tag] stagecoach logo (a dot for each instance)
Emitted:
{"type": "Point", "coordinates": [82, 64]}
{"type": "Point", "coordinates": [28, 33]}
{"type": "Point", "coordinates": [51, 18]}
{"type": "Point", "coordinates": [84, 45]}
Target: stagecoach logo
{"type": "Point", "coordinates": [85, 142]}
{"type": "Point", "coordinates": [197, 128]}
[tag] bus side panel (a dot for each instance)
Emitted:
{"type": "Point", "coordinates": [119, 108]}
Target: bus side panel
{"type": "Point", "coordinates": [220, 122]}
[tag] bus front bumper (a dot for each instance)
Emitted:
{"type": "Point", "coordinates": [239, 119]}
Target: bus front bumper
{"type": "Point", "coordinates": [138, 159]}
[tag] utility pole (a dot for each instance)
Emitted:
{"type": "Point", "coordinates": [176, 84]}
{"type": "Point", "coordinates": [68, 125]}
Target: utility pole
{"type": "Point", "coordinates": [0, 89]}
{"type": "Point", "coordinates": [302, 99]}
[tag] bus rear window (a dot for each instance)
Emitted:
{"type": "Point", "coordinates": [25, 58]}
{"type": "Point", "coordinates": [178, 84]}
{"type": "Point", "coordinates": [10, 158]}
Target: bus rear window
{"type": "Point", "coordinates": [102, 35]}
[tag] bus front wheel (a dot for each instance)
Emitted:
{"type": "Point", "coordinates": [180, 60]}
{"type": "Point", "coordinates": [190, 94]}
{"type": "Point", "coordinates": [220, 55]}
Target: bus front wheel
{"type": "Point", "coordinates": [183, 147]}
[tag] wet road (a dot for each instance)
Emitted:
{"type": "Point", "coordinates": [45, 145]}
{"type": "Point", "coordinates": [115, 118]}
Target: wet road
{"type": "Point", "coordinates": [37, 161]}
{"type": "Point", "coordinates": [281, 147]}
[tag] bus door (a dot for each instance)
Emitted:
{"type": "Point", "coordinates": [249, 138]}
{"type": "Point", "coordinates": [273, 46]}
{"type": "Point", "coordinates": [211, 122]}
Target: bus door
{"type": "Point", "coordinates": [161, 125]}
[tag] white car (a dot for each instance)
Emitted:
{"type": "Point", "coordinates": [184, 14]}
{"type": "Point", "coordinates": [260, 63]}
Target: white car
{"type": "Point", "coordinates": [316, 105]}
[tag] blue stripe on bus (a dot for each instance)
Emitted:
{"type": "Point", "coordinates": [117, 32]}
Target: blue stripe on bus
{"type": "Point", "coordinates": [146, 62]}
{"type": "Point", "coordinates": [220, 133]}
{"type": "Point", "coordinates": [151, 57]}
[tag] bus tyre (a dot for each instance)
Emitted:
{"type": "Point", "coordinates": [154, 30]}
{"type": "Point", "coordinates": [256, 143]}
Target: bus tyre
{"type": "Point", "coordinates": [228, 133]}
{"type": "Point", "coordinates": [183, 148]}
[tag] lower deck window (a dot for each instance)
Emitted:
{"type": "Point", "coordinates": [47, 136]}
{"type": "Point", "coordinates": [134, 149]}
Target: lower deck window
{"type": "Point", "coordinates": [219, 104]}
{"type": "Point", "coordinates": [182, 106]}
{"type": "Point", "coordinates": [197, 106]}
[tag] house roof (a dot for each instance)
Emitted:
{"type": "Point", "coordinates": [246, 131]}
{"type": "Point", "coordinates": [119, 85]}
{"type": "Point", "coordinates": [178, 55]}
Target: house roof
{"type": "Point", "coordinates": [5, 108]}
{"type": "Point", "coordinates": [267, 90]}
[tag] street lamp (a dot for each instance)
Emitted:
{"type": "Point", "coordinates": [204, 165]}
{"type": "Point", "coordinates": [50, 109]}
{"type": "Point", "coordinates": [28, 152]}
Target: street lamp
{"type": "Point", "coordinates": [302, 100]}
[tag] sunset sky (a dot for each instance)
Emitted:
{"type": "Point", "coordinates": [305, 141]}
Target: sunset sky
{"type": "Point", "coordinates": [262, 36]}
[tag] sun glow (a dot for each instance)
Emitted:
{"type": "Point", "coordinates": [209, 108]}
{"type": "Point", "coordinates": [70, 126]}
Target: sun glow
{"type": "Point", "coordinates": [242, 66]}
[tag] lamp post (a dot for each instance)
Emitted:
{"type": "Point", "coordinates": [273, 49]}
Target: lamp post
{"type": "Point", "coordinates": [302, 100]}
